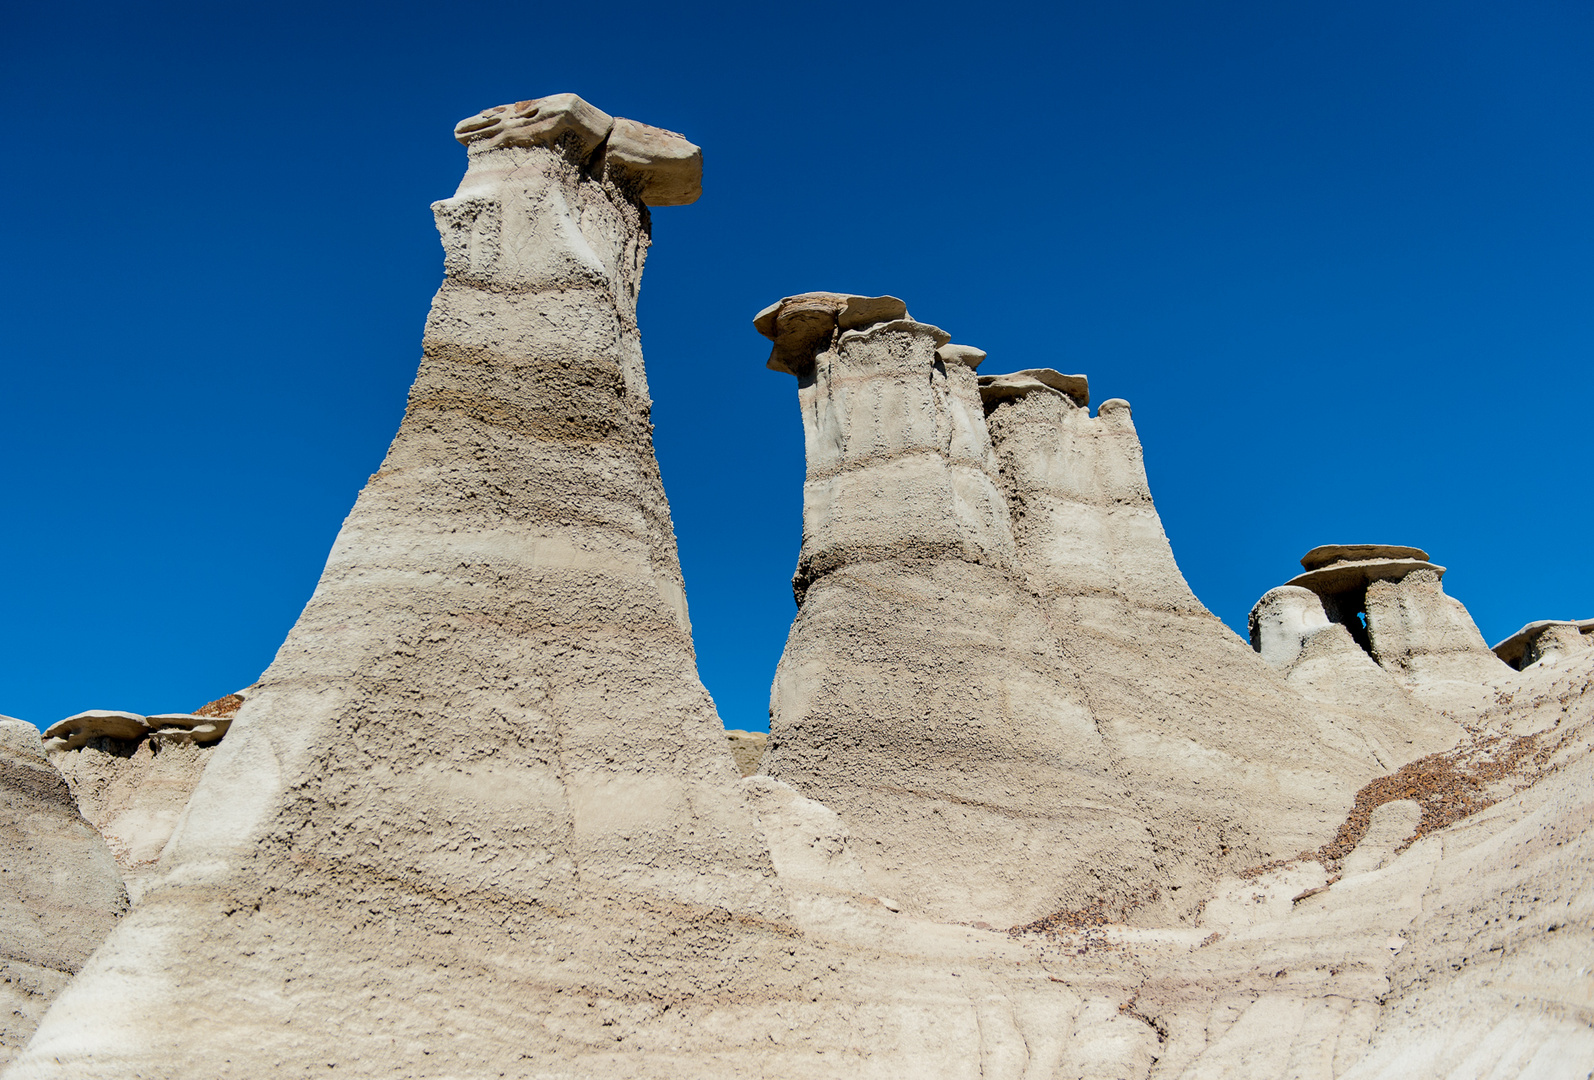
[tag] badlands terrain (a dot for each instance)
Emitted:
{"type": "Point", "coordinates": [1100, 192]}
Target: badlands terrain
{"type": "Point", "coordinates": [1026, 808]}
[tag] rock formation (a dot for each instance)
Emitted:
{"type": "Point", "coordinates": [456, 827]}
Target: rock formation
{"type": "Point", "coordinates": [131, 776]}
{"type": "Point", "coordinates": [1545, 639]}
{"type": "Point", "coordinates": [486, 727]}
{"type": "Point", "coordinates": [921, 696]}
{"type": "Point", "coordinates": [1027, 810]}
{"type": "Point", "coordinates": [1390, 603]}
{"type": "Point", "coordinates": [60, 892]}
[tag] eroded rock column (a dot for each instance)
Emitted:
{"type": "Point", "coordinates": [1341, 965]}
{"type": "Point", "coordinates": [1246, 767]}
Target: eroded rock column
{"type": "Point", "coordinates": [481, 772]}
{"type": "Point", "coordinates": [920, 695]}
{"type": "Point", "coordinates": [1228, 766]}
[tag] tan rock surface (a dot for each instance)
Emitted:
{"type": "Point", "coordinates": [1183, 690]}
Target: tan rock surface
{"type": "Point", "coordinates": [920, 696]}
{"type": "Point", "coordinates": [479, 818]}
{"type": "Point", "coordinates": [60, 892]}
{"type": "Point", "coordinates": [483, 750]}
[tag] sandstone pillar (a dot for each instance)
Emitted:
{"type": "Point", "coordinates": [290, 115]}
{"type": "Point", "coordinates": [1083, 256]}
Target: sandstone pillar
{"type": "Point", "coordinates": [481, 771]}
{"type": "Point", "coordinates": [920, 695]}
{"type": "Point", "coordinates": [1206, 731]}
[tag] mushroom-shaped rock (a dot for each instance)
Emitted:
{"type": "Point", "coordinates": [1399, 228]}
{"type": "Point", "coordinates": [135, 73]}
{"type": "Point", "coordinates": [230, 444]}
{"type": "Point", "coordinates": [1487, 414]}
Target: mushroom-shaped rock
{"type": "Point", "coordinates": [1329, 554]}
{"type": "Point", "coordinates": [668, 166]}
{"type": "Point", "coordinates": [545, 121]}
{"type": "Point", "coordinates": [998, 388]}
{"type": "Point", "coordinates": [967, 355]}
{"type": "Point", "coordinates": [800, 325]}
{"type": "Point", "coordinates": [1343, 577]}
{"type": "Point", "coordinates": [1544, 639]}
{"type": "Point", "coordinates": [1282, 621]}
{"type": "Point", "coordinates": [76, 731]}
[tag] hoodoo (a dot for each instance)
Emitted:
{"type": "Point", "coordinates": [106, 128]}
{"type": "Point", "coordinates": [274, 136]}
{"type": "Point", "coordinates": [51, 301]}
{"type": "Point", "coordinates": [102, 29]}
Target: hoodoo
{"type": "Point", "coordinates": [1027, 810]}
{"type": "Point", "coordinates": [486, 730]}
{"type": "Point", "coordinates": [920, 695]}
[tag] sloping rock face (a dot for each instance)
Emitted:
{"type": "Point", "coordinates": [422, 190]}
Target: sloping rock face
{"type": "Point", "coordinates": [60, 893]}
{"type": "Point", "coordinates": [1228, 765]}
{"type": "Point", "coordinates": [132, 776]}
{"type": "Point", "coordinates": [920, 695]}
{"type": "Point", "coordinates": [483, 749]}
{"type": "Point", "coordinates": [1390, 603]}
{"type": "Point", "coordinates": [479, 820]}
{"type": "Point", "coordinates": [996, 660]}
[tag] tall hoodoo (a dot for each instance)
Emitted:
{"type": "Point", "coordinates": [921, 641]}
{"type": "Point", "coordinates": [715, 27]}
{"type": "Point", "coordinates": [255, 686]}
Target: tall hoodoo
{"type": "Point", "coordinates": [920, 695]}
{"type": "Point", "coordinates": [488, 720]}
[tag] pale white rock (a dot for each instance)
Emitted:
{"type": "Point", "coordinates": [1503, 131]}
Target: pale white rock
{"type": "Point", "coordinates": [1329, 554]}
{"type": "Point", "coordinates": [1428, 640]}
{"type": "Point", "coordinates": [1545, 639]}
{"type": "Point", "coordinates": [60, 892]}
{"type": "Point", "coordinates": [917, 649]}
{"type": "Point", "coordinates": [1282, 621]}
{"type": "Point", "coordinates": [1391, 826]}
{"type": "Point", "coordinates": [484, 746]}
{"type": "Point", "coordinates": [967, 355]}
{"type": "Point", "coordinates": [995, 388]}
{"type": "Point", "coordinates": [1232, 768]}
{"type": "Point", "coordinates": [539, 122]}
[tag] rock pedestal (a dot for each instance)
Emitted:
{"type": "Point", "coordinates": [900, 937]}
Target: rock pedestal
{"type": "Point", "coordinates": [481, 771]}
{"type": "Point", "coordinates": [920, 695]}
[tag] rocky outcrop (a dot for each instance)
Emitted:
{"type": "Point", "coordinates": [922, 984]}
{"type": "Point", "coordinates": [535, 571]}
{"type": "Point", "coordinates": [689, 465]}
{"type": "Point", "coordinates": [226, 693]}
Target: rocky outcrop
{"type": "Point", "coordinates": [921, 696]}
{"type": "Point", "coordinates": [1545, 639]}
{"type": "Point", "coordinates": [484, 744]}
{"type": "Point", "coordinates": [1228, 766]}
{"type": "Point", "coordinates": [479, 818]}
{"type": "Point", "coordinates": [1390, 602]}
{"type": "Point", "coordinates": [60, 892]}
{"type": "Point", "coordinates": [131, 776]}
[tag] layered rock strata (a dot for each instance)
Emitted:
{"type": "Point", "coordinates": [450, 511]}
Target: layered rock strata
{"type": "Point", "coordinates": [132, 776]}
{"type": "Point", "coordinates": [995, 656]}
{"type": "Point", "coordinates": [1388, 599]}
{"type": "Point", "coordinates": [1225, 761]}
{"type": "Point", "coordinates": [60, 892]}
{"type": "Point", "coordinates": [920, 695]}
{"type": "Point", "coordinates": [484, 746]}
{"type": "Point", "coordinates": [1545, 639]}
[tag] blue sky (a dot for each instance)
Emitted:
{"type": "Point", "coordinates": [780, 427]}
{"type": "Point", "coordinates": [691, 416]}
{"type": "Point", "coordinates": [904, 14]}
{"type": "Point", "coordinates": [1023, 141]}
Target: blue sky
{"type": "Point", "coordinates": [1338, 256]}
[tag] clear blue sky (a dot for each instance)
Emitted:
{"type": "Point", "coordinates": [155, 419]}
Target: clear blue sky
{"type": "Point", "coordinates": [1337, 255]}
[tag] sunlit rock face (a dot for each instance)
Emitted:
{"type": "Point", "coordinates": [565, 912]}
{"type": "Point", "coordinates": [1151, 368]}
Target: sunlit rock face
{"type": "Point", "coordinates": [1028, 810]}
{"type": "Point", "coordinates": [920, 695]}
{"type": "Point", "coordinates": [60, 891]}
{"type": "Point", "coordinates": [487, 721]}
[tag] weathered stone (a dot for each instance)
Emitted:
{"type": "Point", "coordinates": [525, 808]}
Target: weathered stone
{"type": "Point", "coordinates": [997, 388]}
{"type": "Point", "coordinates": [1329, 554]}
{"type": "Point", "coordinates": [1282, 621]}
{"type": "Point", "coordinates": [967, 355]}
{"type": "Point", "coordinates": [76, 731]}
{"type": "Point", "coordinates": [1428, 640]}
{"type": "Point", "coordinates": [747, 747]}
{"type": "Point", "coordinates": [60, 893]}
{"type": "Point", "coordinates": [200, 734]}
{"type": "Point", "coordinates": [916, 648]}
{"type": "Point", "coordinates": [541, 122]}
{"type": "Point", "coordinates": [1344, 577]}
{"type": "Point", "coordinates": [484, 746]}
{"type": "Point", "coordinates": [1546, 637]}
{"type": "Point", "coordinates": [668, 168]}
